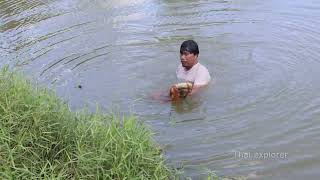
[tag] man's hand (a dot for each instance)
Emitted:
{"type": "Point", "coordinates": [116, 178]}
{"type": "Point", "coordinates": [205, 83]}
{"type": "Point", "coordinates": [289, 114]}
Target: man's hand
{"type": "Point", "coordinates": [174, 93]}
{"type": "Point", "coordinates": [180, 90]}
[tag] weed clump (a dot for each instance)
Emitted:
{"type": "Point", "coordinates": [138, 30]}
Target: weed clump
{"type": "Point", "coordinates": [40, 138]}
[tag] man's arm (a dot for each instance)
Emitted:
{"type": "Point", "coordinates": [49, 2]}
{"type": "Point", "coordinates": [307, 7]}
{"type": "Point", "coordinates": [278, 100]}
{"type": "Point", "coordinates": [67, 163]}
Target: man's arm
{"type": "Point", "coordinates": [196, 89]}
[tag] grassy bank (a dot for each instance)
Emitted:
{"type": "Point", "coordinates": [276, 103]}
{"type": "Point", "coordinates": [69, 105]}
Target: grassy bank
{"type": "Point", "coordinates": [41, 138]}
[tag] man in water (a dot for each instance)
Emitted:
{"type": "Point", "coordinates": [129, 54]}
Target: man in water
{"type": "Point", "coordinates": [190, 71]}
{"type": "Point", "coordinates": [192, 75]}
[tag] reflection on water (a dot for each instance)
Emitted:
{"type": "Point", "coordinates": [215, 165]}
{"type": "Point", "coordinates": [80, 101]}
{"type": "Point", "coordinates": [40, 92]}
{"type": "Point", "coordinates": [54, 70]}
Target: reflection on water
{"type": "Point", "coordinates": [186, 105]}
{"type": "Point", "coordinates": [263, 56]}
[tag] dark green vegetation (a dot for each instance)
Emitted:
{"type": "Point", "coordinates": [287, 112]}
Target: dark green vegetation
{"type": "Point", "coordinates": [41, 138]}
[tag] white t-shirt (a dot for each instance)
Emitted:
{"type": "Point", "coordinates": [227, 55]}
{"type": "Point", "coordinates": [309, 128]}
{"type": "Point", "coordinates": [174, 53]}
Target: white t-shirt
{"type": "Point", "coordinates": [198, 74]}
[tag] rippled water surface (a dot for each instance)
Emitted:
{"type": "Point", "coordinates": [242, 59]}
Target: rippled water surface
{"type": "Point", "coordinates": [263, 56]}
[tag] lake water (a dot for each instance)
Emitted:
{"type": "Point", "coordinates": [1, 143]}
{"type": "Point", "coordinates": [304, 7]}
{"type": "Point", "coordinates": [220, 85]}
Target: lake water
{"type": "Point", "coordinates": [259, 119]}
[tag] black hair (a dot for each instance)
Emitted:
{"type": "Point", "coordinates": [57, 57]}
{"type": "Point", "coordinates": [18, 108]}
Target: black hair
{"type": "Point", "coordinates": [191, 46]}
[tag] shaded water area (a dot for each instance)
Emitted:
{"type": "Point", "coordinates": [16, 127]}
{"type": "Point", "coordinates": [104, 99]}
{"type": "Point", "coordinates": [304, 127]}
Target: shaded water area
{"type": "Point", "coordinates": [263, 56]}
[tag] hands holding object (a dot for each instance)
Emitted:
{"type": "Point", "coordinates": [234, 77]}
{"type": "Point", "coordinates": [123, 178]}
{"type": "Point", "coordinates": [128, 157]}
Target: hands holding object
{"type": "Point", "coordinates": [180, 90]}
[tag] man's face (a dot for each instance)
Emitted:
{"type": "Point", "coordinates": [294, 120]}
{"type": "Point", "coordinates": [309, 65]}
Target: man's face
{"type": "Point", "coordinates": [188, 59]}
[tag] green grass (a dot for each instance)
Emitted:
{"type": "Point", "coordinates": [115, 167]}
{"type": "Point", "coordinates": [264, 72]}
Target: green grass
{"type": "Point", "coordinates": [40, 138]}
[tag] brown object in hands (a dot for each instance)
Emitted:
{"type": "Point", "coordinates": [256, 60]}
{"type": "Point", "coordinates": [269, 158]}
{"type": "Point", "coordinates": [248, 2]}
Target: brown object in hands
{"type": "Point", "coordinates": [174, 93]}
{"type": "Point", "coordinates": [180, 90]}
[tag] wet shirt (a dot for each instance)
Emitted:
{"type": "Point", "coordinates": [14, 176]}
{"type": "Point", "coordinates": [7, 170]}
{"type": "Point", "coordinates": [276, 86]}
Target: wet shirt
{"type": "Point", "coordinates": [198, 74]}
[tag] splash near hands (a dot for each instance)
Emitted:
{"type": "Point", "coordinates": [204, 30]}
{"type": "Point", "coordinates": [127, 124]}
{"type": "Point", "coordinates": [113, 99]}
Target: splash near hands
{"type": "Point", "coordinates": [180, 90]}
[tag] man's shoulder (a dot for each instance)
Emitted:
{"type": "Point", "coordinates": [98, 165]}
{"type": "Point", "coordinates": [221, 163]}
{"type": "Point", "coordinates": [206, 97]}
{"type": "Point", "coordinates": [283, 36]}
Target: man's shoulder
{"type": "Point", "coordinates": [203, 68]}
{"type": "Point", "coordinates": [179, 66]}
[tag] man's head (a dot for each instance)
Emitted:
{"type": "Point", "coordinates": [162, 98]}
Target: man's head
{"type": "Point", "coordinates": [189, 52]}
